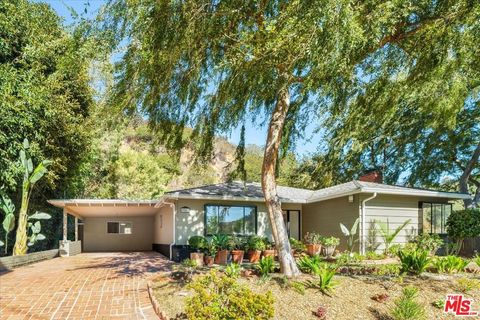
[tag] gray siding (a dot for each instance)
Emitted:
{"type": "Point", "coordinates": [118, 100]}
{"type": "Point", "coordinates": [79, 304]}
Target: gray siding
{"type": "Point", "coordinates": [325, 217]}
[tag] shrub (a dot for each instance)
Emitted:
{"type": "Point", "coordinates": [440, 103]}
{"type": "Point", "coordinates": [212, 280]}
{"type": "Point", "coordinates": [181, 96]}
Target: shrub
{"type": "Point", "coordinates": [406, 307]}
{"type": "Point", "coordinates": [297, 245]}
{"type": "Point", "coordinates": [219, 297]}
{"type": "Point", "coordinates": [439, 304]}
{"type": "Point", "coordinates": [222, 241]}
{"type": "Point", "coordinates": [389, 235]}
{"type": "Point", "coordinates": [233, 270]}
{"type": "Point", "coordinates": [463, 224]}
{"type": "Point", "coordinates": [255, 243]}
{"type": "Point", "coordinates": [197, 242]}
{"type": "Point", "coordinates": [413, 261]}
{"type": "Point", "coordinates": [312, 238]}
{"type": "Point", "coordinates": [189, 266]}
{"type": "Point", "coordinates": [449, 264]}
{"type": "Point", "coordinates": [372, 255]}
{"type": "Point", "coordinates": [330, 242]}
{"type": "Point", "coordinates": [429, 242]}
{"type": "Point", "coordinates": [324, 282]}
{"type": "Point", "coordinates": [298, 286]}
{"type": "Point", "coordinates": [309, 264]}
{"type": "Point", "coordinates": [266, 266]}
{"type": "Point", "coordinates": [476, 259]}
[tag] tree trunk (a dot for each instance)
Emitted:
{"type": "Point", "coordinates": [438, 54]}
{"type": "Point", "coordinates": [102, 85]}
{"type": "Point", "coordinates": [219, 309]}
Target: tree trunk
{"type": "Point", "coordinates": [463, 182]}
{"type": "Point", "coordinates": [288, 265]}
{"type": "Point", "coordinates": [21, 247]}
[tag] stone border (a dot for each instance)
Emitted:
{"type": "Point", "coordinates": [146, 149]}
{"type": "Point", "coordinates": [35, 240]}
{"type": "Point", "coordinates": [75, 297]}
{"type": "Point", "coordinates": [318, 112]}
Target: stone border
{"type": "Point", "coordinates": [10, 262]}
{"type": "Point", "coordinates": [156, 306]}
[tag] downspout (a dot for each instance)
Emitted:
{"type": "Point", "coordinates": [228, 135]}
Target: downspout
{"type": "Point", "coordinates": [362, 240]}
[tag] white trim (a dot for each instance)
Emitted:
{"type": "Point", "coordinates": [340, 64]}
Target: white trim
{"type": "Point", "coordinates": [422, 193]}
{"type": "Point", "coordinates": [119, 221]}
{"type": "Point", "coordinates": [362, 218]}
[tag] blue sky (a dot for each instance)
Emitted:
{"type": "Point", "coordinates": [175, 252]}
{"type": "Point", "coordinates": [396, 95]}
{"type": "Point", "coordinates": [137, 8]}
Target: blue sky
{"type": "Point", "coordinates": [254, 133]}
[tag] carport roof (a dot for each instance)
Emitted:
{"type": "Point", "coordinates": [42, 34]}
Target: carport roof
{"type": "Point", "coordinates": [106, 207]}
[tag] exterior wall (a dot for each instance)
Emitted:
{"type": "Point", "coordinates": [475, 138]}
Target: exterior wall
{"type": "Point", "coordinates": [192, 222]}
{"type": "Point", "coordinates": [396, 209]}
{"type": "Point", "coordinates": [163, 226]}
{"type": "Point", "coordinates": [325, 217]}
{"type": "Point", "coordinates": [10, 262]}
{"type": "Point", "coordinates": [96, 237]}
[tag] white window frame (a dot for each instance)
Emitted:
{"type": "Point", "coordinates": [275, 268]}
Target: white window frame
{"type": "Point", "coordinates": [119, 221]}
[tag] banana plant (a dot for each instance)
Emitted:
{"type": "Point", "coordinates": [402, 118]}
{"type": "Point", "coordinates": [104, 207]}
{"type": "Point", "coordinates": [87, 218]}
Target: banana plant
{"type": "Point", "coordinates": [7, 206]}
{"type": "Point", "coordinates": [389, 235]}
{"type": "Point", "coordinates": [350, 234]}
{"type": "Point", "coordinates": [30, 177]}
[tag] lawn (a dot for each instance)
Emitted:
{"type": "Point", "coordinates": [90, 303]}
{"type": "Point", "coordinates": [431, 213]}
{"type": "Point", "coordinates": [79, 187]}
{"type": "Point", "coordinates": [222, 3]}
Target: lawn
{"type": "Point", "coordinates": [351, 298]}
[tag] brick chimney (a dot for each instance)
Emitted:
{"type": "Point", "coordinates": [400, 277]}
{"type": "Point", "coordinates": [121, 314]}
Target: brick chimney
{"type": "Point", "coordinates": [373, 175]}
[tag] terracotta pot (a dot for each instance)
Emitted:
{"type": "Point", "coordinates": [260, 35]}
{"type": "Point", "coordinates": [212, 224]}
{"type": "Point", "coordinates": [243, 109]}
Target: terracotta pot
{"type": "Point", "coordinates": [313, 249]}
{"type": "Point", "coordinates": [269, 253]}
{"type": "Point", "coordinates": [221, 257]}
{"type": "Point", "coordinates": [237, 256]}
{"type": "Point", "coordinates": [209, 260]}
{"type": "Point", "coordinates": [254, 255]}
{"type": "Point", "coordinates": [328, 251]}
{"type": "Point", "coordinates": [197, 257]}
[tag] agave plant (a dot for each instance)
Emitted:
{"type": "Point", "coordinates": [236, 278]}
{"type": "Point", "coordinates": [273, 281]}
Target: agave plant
{"type": "Point", "coordinates": [350, 234]}
{"type": "Point", "coordinates": [30, 178]}
{"type": "Point", "coordinates": [387, 234]}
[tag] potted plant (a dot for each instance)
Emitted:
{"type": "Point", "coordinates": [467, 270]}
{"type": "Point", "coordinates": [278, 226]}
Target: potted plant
{"type": "Point", "coordinates": [328, 246]}
{"type": "Point", "coordinates": [269, 248]}
{"type": "Point", "coordinates": [210, 252]}
{"type": "Point", "coordinates": [197, 243]}
{"type": "Point", "coordinates": [238, 246]}
{"type": "Point", "coordinates": [222, 243]}
{"type": "Point", "coordinates": [255, 246]}
{"type": "Point", "coordinates": [313, 243]}
{"type": "Point", "coordinates": [297, 246]}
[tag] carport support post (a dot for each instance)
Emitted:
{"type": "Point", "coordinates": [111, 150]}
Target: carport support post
{"type": "Point", "coordinates": [65, 224]}
{"type": "Point", "coordinates": [76, 229]}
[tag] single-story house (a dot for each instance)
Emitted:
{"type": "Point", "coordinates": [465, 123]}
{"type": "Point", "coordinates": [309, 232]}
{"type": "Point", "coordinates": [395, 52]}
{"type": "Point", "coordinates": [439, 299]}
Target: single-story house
{"type": "Point", "coordinates": [165, 225]}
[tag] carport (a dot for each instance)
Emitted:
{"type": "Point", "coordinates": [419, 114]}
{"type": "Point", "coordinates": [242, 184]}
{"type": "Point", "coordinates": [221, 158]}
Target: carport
{"type": "Point", "coordinates": [106, 225]}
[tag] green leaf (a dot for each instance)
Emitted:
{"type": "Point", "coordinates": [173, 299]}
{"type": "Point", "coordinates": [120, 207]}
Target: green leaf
{"type": "Point", "coordinates": [40, 216]}
{"type": "Point", "coordinates": [23, 158]}
{"type": "Point", "coordinates": [9, 223]}
{"type": "Point", "coordinates": [29, 165]}
{"type": "Point", "coordinates": [1, 243]}
{"type": "Point", "coordinates": [344, 230]}
{"type": "Point", "coordinates": [40, 237]}
{"type": "Point", "coordinates": [36, 227]}
{"type": "Point", "coordinates": [26, 144]}
{"type": "Point", "coordinates": [39, 172]}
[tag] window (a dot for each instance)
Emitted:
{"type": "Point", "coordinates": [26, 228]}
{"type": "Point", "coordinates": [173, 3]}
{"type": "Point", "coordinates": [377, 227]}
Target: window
{"type": "Point", "coordinates": [119, 227]}
{"type": "Point", "coordinates": [239, 220]}
{"type": "Point", "coordinates": [435, 216]}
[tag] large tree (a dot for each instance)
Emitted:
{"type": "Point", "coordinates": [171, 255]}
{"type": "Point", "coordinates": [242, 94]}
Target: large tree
{"type": "Point", "coordinates": [212, 64]}
{"type": "Point", "coordinates": [45, 97]}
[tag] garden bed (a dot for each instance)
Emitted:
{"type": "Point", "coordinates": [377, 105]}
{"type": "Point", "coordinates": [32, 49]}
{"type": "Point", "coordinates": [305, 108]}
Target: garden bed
{"type": "Point", "coordinates": [351, 298]}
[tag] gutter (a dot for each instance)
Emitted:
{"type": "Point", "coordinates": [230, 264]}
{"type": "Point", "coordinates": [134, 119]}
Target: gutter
{"type": "Point", "coordinates": [362, 218]}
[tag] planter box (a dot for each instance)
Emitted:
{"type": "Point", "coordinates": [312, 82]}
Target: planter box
{"type": "Point", "coordinates": [10, 262]}
{"type": "Point", "coordinates": [69, 248]}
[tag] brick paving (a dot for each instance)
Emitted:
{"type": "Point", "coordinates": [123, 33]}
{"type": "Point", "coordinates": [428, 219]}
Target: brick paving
{"type": "Point", "coordinates": [86, 286]}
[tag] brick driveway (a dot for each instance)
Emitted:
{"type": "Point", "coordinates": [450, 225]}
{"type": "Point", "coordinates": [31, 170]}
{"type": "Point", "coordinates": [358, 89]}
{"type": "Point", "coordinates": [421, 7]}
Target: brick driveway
{"type": "Point", "coordinates": [86, 286]}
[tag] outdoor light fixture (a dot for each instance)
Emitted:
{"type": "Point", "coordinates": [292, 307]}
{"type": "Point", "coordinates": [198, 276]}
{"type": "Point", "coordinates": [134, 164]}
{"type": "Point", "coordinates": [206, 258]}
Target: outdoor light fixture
{"type": "Point", "coordinates": [184, 210]}
{"type": "Point", "coordinates": [350, 198]}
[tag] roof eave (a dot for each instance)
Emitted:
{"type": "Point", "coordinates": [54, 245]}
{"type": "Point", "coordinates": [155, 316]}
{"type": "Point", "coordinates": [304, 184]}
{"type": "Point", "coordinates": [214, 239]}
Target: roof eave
{"type": "Point", "coordinates": [176, 196]}
{"type": "Point", "coordinates": [420, 193]}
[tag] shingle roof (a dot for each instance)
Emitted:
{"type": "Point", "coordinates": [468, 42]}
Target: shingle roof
{"type": "Point", "coordinates": [237, 190]}
{"type": "Point", "coordinates": [253, 192]}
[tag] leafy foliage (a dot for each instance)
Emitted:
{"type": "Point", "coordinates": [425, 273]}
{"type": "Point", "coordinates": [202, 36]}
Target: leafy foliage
{"type": "Point", "coordinates": [309, 264]}
{"type": "Point", "coordinates": [449, 264]}
{"type": "Point", "coordinates": [220, 297]}
{"type": "Point", "coordinates": [406, 307]}
{"type": "Point", "coordinates": [350, 234]}
{"type": "Point", "coordinates": [466, 285]}
{"type": "Point", "coordinates": [429, 242]}
{"type": "Point", "coordinates": [255, 243]}
{"type": "Point", "coordinates": [197, 242]}
{"type": "Point", "coordinates": [233, 270]}
{"type": "Point", "coordinates": [463, 224]}
{"type": "Point", "coordinates": [414, 261]}
{"type": "Point", "coordinates": [265, 266]}
{"type": "Point", "coordinates": [389, 235]}
{"type": "Point", "coordinates": [324, 282]}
